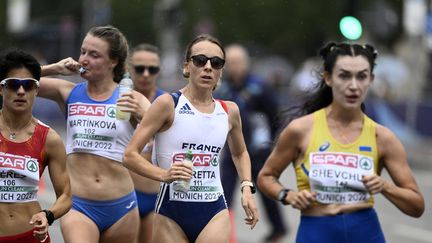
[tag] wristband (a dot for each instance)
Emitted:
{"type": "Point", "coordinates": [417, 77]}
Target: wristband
{"type": "Point", "coordinates": [249, 184]}
{"type": "Point", "coordinates": [49, 215]}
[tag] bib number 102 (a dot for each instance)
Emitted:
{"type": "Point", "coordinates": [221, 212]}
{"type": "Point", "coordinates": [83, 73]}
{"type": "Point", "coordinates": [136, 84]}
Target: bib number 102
{"type": "Point", "coordinates": [89, 131]}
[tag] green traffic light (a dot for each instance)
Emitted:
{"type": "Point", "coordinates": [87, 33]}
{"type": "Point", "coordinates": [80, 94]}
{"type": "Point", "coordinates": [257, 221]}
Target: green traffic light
{"type": "Point", "coordinates": [350, 27]}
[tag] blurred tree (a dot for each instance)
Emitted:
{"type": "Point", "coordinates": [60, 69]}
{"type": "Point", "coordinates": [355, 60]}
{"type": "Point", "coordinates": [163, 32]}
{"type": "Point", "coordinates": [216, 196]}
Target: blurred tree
{"type": "Point", "coordinates": [295, 29]}
{"type": "Point", "coordinates": [135, 19]}
{"type": "Point", "coordinates": [3, 14]}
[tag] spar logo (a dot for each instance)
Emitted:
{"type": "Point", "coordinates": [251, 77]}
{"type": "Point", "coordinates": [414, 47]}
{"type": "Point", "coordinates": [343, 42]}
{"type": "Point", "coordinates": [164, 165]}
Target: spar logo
{"type": "Point", "coordinates": [32, 166]}
{"type": "Point", "coordinates": [111, 111]}
{"type": "Point", "coordinates": [10, 161]}
{"type": "Point", "coordinates": [366, 163]}
{"type": "Point", "coordinates": [197, 159]}
{"type": "Point", "coordinates": [87, 110]}
{"type": "Point", "coordinates": [346, 160]}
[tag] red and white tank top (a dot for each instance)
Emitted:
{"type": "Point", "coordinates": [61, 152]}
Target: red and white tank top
{"type": "Point", "coordinates": [21, 166]}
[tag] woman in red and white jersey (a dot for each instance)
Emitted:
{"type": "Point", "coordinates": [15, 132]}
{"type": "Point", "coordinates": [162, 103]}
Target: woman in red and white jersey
{"type": "Point", "coordinates": [27, 147]}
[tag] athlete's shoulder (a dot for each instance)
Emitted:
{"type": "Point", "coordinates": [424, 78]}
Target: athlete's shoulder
{"type": "Point", "coordinates": [231, 106]}
{"type": "Point", "coordinates": [53, 139]}
{"type": "Point", "coordinates": [141, 98]}
{"type": "Point", "coordinates": [164, 100]}
{"type": "Point", "coordinates": [384, 134]}
{"type": "Point", "coordinates": [303, 122]}
{"type": "Point", "coordinates": [299, 127]}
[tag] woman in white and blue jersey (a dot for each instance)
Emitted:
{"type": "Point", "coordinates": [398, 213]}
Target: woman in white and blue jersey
{"type": "Point", "coordinates": [192, 121]}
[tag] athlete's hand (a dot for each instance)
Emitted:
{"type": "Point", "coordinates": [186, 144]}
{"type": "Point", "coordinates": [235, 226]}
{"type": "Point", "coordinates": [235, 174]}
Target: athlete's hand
{"type": "Point", "coordinates": [127, 102]}
{"type": "Point", "coordinates": [250, 208]}
{"type": "Point", "coordinates": [178, 171]}
{"type": "Point", "coordinates": [373, 183]}
{"type": "Point", "coordinates": [40, 226]}
{"type": "Point", "coordinates": [67, 66]}
{"type": "Point", "coordinates": [301, 200]}
{"type": "Point", "coordinates": [131, 103]}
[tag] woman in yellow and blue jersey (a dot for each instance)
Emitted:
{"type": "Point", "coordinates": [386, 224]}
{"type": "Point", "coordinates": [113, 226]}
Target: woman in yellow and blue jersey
{"type": "Point", "coordinates": [338, 154]}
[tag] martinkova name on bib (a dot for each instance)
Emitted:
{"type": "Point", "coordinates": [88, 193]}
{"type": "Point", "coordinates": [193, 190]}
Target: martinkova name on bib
{"type": "Point", "coordinates": [93, 123]}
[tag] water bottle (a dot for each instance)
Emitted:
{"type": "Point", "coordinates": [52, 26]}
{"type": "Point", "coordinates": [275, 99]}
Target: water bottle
{"type": "Point", "coordinates": [125, 86]}
{"type": "Point", "coordinates": [184, 185]}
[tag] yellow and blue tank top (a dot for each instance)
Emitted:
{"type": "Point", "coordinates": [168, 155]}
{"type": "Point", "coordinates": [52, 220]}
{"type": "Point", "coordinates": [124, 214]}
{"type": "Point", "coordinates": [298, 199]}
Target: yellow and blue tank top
{"type": "Point", "coordinates": [334, 170]}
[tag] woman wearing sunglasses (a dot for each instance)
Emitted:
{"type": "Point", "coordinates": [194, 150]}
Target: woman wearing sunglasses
{"type": "Point", "coordinates": [338, 154]}
{"type": "Point", "coordinates": [191, 120]}
{"type": "Point", "coordinates": [27, 147]}
{"type": "Point", "coordinates": [145, 63]}
{"type": "Point", "coordinates": [103, 202]}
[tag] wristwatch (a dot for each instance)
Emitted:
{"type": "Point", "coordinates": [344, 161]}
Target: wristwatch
{"type": "Point", "coordinates": [282, 195]}
{"type": "Point", "coordinates": [49, 215]}
{"type": "Point", "coordinates": [249, 184]}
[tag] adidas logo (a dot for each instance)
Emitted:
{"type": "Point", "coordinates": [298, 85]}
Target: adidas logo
{"type": "Point", "coordinates": [185, 109]}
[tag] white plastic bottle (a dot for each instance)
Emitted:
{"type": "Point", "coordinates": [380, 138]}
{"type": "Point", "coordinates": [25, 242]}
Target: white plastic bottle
{"type": "Point", "coordinates": [125, 86]}
{"type": "Point", "coordinates": [184, 185]}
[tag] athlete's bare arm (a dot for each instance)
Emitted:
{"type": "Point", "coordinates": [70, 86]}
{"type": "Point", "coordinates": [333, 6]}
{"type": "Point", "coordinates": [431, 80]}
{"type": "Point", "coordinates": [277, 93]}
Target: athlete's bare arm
{"type": "Point", "coordinates": [242, 162]}
{"type": "Point", "coordinates": [56, 157]}
{"type": "Point", "coordinates": [158, 118]}
{"type": "Point", "coordinates": [403, 192]}
{"type": "Point", "coordinates": [56, 162]}
{"type": "Point", "coordinates": [290, 147]}
{"type": "Point", "coordinates": [58, 89]}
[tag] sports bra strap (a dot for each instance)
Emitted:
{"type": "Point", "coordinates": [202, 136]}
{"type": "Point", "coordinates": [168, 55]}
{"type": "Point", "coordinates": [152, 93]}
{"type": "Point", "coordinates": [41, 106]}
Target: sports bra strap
{"type": "Point", "coordinates": [224, 105]}
{"type": "Point", "coordinates": [175, 96]}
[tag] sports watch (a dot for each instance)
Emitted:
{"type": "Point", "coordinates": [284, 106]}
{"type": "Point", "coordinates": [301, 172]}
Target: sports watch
{"type": "Point", "coordinates": [49, 215]}
{"type": "Point", "coordinates": [282, 195]}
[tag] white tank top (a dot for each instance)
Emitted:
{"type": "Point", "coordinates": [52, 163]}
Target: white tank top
{"type": "Point", "coordinates": [204, 134]}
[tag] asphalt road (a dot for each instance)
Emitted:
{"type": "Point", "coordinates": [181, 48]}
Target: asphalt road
{"type": "Point", "coordinates": [397, 227]}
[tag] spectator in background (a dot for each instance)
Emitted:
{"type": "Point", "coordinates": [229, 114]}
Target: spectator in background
{"type": "Point", "coordinates": [258, 110]}
{"type": "Point", "coordinates": [27, 147]}
{"type": "Point", "coordinates": [145, 67]}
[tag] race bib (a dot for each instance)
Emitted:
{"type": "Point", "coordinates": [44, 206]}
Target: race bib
{"type": "Point", "coordinates": [92, 127]}
{"type": "Point", "coordinates": [19, 178]}
{"type": "Point", "coordinates": [337, 177]}
{"type": "Point", "coordinates": [205, 184]}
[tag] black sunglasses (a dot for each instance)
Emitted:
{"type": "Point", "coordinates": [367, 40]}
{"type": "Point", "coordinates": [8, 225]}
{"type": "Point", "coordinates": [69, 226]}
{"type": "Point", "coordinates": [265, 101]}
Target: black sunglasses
{"type": "Point", "coordinates": [15, 83]}
{"type": "Point", "coordinates": [201, 61]}
{"type": "Point", "coordinates": [140, 69]}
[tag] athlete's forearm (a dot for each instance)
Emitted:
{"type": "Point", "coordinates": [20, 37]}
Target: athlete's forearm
{"type": "Point", "coordinates": [62, 205]}
{"type": "Point", "coordinates": [407, 200]}
{"type": "Point", "coordinates": [243, 166]}
{"type": "Point", "coordinates": [49, 70]}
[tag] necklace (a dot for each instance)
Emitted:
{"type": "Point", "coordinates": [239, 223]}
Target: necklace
{"type": "Point", "coordinates": [13, 135]}
{"type": "Point", "coordinates": [342, 134]}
